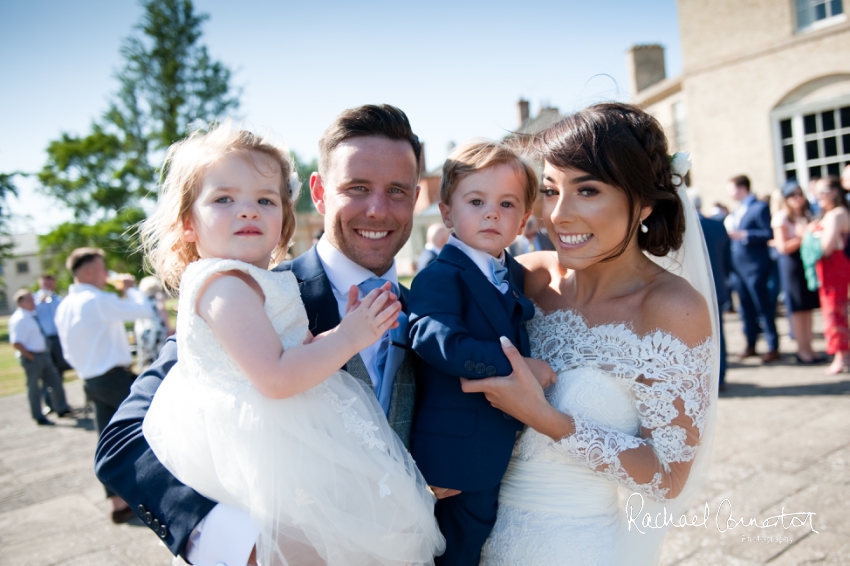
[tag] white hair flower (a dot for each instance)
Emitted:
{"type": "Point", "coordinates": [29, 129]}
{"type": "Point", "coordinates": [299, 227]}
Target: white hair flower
{"type": "Point", "coordinates": [680, 163]}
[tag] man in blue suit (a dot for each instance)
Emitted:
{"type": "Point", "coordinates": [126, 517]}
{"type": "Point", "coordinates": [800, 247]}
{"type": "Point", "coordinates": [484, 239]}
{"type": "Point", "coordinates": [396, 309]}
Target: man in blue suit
{"type": "Point", "coordinates": [719, 254]}
{"type": "Point", "coordinates": [750, 231]}
{"type": "Point", "coordinates": [366, 188]}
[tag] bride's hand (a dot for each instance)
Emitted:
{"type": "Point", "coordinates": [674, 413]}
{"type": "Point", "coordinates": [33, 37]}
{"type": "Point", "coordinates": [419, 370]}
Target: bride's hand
{"type": "Point", "coordinates": [518, 394]}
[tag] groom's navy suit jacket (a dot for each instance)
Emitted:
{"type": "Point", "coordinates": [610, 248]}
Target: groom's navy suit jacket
{"type": "Point", "coordinates": [125, 462]}
{"type": "Point", "coordinates": [459, 440]}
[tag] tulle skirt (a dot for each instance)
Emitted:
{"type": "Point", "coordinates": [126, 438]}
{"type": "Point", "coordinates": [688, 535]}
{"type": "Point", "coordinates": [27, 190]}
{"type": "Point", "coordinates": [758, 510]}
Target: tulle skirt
{"type": "Point", "coordinates": [325, 479]}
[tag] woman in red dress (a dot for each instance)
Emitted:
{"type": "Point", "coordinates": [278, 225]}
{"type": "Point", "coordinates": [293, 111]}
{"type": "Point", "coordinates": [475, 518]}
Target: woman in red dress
{"type": "Point", "coordinates": [834, 270]}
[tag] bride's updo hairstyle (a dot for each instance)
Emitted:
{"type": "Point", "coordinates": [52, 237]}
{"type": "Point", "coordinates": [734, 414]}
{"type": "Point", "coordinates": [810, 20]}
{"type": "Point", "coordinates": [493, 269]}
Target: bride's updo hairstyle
{"type": "Point", "coordinates": [623, 146]}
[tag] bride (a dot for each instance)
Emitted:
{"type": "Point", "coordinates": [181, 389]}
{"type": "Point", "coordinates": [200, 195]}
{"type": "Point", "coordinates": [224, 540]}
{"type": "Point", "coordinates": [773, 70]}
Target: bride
{"type": "Point", "coordinates": [623, 316]}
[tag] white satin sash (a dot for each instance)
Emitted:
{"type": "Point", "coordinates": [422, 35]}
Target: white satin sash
{"type": "Point", "coordinates": [558, 488]}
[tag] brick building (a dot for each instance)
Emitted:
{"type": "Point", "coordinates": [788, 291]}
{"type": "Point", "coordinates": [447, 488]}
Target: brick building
{"type": "Point", "coordinates": [764, 91]}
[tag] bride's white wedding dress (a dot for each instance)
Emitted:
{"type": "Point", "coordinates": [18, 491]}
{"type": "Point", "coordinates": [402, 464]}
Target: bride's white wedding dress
{"type": "Point", "coordinates": [564, 502]}
{"type": "Point", "coordinates": [320, 472]}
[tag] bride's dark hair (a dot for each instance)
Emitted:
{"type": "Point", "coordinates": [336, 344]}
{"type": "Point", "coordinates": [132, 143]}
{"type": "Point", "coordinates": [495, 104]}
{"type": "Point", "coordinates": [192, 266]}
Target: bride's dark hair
{"type": "Point", "coordinates": [623, 146]}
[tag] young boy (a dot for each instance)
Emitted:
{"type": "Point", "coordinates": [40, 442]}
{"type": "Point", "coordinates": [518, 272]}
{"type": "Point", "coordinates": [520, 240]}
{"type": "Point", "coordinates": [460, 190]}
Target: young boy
{"type": "Point", "coordinates": [459, 307]}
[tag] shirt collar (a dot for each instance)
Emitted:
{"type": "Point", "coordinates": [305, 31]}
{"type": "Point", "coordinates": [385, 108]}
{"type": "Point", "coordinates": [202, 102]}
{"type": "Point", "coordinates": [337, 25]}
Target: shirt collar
{"type": "Point", "coordinates": [25, 312]}
{"type": "Point", "coordinates": [80, 287]}
{"type": "Point", "coordinates": [342, 272]}
{"type": "Point", "coordinates": [479, 258]}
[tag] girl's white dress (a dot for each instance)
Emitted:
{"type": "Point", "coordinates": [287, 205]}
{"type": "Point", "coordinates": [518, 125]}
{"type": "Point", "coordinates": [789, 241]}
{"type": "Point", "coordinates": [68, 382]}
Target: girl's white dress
{"type": "Point", "coordinates": [325, 479]}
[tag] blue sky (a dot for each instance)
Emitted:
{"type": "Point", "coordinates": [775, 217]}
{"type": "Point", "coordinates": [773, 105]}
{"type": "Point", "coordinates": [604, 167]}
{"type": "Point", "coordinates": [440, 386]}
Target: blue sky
{"type": "Point", "coordinates": [456, 68]}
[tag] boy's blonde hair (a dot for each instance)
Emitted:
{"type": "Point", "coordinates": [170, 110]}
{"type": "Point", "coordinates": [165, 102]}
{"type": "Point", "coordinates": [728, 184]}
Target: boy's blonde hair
{"type": "Point", "coordinates": [180, 183]}
{"type": "Point", "coordinates": [476, 155]}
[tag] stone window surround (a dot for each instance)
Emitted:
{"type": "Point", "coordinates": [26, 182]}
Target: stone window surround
{"type": "Point", "coordinates": [818, 24]}
{"type": "Point", "coordinates": [796, 112]}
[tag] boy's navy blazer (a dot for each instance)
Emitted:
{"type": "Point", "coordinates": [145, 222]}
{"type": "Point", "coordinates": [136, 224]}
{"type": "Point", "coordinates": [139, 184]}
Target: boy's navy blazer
{"type": "Point", "coordinates": [459, 440]}
{"type": "Point", "coordinates": [125, 463]}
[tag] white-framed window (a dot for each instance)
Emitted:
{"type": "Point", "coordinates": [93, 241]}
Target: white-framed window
{"type": "Point", "coordinates": [812, 141]}
{"type": "Point", "coordinates": [814, 14]}
{"type": "Point", "coordinates": [22, 267]}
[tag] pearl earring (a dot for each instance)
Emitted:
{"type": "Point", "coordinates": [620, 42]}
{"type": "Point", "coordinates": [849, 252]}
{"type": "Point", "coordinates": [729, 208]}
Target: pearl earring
{"type": "Point", "coordinates": [643, 228]}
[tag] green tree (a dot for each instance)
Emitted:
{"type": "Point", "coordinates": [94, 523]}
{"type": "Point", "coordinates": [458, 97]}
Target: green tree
{"type": "Point", "coordinates": [168, 84]}
{"type": "Point", "coordinates": [305, 169]}
{"type": "Point", "coordinates": [7, 188]}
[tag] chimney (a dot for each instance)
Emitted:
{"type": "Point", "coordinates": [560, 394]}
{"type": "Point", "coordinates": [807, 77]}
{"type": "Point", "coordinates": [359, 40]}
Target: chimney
{"type": "Point", "coordinates": [522, 107]}
{"type": "Point", "coordinates": [421, 159]}
{"type": "Point", "coordinates": [646, 66]}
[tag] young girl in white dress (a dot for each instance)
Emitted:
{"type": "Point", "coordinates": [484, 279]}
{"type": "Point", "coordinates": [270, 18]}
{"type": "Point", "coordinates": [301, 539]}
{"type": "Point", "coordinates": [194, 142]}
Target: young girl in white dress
{"type": "Point", "coordinates": [256, 414]}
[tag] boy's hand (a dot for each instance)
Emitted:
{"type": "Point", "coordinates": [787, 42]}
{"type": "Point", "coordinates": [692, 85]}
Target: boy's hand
{"type": "Point", "coordinates": [443, 492]}
{"type": "Point", "coordinates": [542, 371]}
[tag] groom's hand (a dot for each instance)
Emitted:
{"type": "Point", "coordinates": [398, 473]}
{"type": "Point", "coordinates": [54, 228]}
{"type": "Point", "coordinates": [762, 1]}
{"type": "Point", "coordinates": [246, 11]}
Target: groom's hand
{"type": "Point", "coordinates": [443, 492]}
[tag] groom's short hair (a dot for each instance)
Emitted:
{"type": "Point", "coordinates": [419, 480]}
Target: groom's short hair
{"type": "Point", "coordinates": [368, 120]}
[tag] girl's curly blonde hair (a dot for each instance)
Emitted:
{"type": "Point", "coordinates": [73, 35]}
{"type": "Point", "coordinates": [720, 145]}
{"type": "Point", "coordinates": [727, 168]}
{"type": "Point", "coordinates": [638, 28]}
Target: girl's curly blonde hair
{"type": "Point", "coordinates": [186, 163]}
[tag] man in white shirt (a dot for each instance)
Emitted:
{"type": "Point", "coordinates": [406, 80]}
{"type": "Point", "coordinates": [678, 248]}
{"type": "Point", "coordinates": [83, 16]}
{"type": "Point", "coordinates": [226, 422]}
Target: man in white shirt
{"type": "Point", "coordinates": [28, 339]}
{"type": "Point", "coordinates": [90, 323]}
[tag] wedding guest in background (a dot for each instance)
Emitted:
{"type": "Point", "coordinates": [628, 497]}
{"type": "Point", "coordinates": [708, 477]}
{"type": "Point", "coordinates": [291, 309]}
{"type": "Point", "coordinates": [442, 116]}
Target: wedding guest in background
{"type": "Point", "coordinates": [812, 197]}
{"type": "Point", "coordinates": [845, 177]}
{"type": "Point", "coordinates": [532, 239]}
{"type": "Point", "coordinates": [833, 270]}
{"type": "Point", "coordinates": [435, 238]}
{"type": "Point", "coordinates": [719, 248]}
{"type": "Point", "coordinates": [718, 212]}
{"type": "Point", "coordinates": [151, 332]}
{"type": "Point", "coordinates": [90, 323]}
{"type": "Point", "coordinates": [30, 344]}
{"type": "Point", "coordinates": [46, 303]}
{"type": "Point", "coordinates": [749, 229]}
{"type": "Point", "coordinates": [789, 226]}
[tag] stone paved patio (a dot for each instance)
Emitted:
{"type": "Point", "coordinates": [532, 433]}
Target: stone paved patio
{"type": "Point", "coordinates": [783, 441]}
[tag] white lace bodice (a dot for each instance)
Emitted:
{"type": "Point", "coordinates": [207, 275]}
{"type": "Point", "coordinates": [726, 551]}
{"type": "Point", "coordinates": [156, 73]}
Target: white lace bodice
{"type": "Point", "coordinates": [197, 347]}
{"type": "Point", "coordinates": [599, 369]}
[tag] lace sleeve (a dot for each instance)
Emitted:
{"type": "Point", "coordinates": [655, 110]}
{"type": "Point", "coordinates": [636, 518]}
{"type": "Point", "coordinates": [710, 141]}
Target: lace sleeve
{"type": "Point", "coordinates": [672, 405]}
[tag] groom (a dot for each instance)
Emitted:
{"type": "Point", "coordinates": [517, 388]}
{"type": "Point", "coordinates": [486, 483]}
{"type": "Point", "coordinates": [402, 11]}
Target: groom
{"type": "Point", "coordinates": [366, 189]}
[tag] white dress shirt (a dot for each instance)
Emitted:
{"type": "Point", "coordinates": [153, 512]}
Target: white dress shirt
{"type": "Point", "coordinates": [733, 221]}
{"type": "Point", "coordinates": [90, 323]}
{"type": "Point", "coordinates": [24, 330]}
{"type": "Point", "coordinates": [482, 260]}
{"type": "Point", "coordinates": [343, 273]}
{"type": "Point", "coordinates": [227, 535]}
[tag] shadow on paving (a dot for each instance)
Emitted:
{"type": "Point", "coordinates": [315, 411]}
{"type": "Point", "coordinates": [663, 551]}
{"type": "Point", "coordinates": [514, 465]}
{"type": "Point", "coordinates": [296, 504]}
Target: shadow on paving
{"type": "Point", "coordinates": [739, 389]}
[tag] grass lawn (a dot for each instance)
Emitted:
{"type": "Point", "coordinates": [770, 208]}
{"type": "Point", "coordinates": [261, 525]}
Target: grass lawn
{"type": "Point", "coordinates": [12, 378]}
